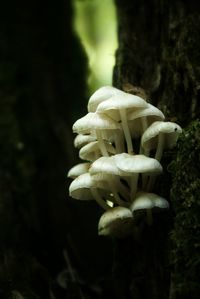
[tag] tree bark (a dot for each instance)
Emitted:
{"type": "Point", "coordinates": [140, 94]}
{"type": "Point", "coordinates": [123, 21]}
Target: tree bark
{"type": "Point", "coordinates": [158, 55]}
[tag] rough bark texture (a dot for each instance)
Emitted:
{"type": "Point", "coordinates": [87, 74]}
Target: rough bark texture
{"type": "Point", "coordinates": [159, 49]}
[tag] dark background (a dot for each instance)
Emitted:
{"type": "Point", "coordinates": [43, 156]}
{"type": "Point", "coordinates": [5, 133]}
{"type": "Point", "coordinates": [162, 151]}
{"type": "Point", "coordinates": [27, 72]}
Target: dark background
{"type": "Point", "coordinates": [49, 246]}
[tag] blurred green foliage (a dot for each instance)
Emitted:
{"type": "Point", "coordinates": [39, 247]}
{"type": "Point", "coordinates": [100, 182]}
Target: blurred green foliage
{"type": "Point", "coordinates": [96, 24]}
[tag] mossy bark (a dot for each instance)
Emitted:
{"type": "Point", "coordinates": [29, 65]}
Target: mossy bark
{"type": "Point", "coordinates": [158, 54]}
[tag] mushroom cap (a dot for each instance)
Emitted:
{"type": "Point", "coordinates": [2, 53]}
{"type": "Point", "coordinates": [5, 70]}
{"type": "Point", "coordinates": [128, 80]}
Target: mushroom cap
{"type": "Point", "coordinates": [105, 165]}
{"type": "Point", "coordinates": [126, 101]}
{"type": "Point", "coordinates": [116, 222]}
{"type": "Point", "coordinates": [151, 115]}
{"type": "Point", "coordinates": [149, 111]}
{"type": "Point", "coordinates": [171, 131]}
{"type": "Point", "coordinates": [94, 121]}
{"type": "Point", "coordinates": [80, 188]}
{"type": "Point", "coordinates": [78, 169]}
{"type": "Point", "coordinates": [145, 201]}
{"type": "Point", "coordinates": [81, 140]}
{"type": "Point", "coordinates": [100, 95]}
{"type": "Point", "coordinates": [137, 164]}
{"type": "Point", "coordinates": [91, 151]}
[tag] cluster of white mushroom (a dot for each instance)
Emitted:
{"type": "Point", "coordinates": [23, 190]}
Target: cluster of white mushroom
{"type": "Point", "coordinates": [122, 139]}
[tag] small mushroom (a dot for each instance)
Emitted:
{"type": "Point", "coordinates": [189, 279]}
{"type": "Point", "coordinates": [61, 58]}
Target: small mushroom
{"type": "Point", "coordinates": [160, 135]}
{"type": "Point", "coordinates": [135, 164]}
{"type": "Point", "coordinates": [116, 222]}
{"type": "Point", "coordinates": [96, 124]}
{"type": "Point", "coordinates": [105, 169]}
{"type": "Point", "coordinates": [81, 140]}
{"type": "Point", "coordinates": [78, 169]}
{"type": "Point", "coordinates": [92, 150]}
{"type": "Point", "coordinates": [100, 95]}
{"type": "Point", "coordinates": [148, 202]}
{"type": "Point", "coordinates": [85, 188]}
{"type": "Point", "coordinates": [140, 119]}
{"type": "Point", "coordinates": [117, 107]}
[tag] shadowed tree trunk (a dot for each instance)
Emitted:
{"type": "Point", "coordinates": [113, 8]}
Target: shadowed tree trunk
{"type": "Point", "coordinates": [158, 54]}
{"type": "Point", "coordinates": [41, 66]}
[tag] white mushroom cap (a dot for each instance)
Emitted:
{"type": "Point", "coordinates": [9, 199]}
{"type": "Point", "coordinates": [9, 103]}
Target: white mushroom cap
{"type": "Point", "coordinates": [91, 151]}
{"type": "Point", "coordinates": [101, 95]}
{"type": "Point", "coordinates": [81, 140]}
{"type": "Point", "coordinates": [85, 188]}
{"type": "Point", "coordinates": [80, 187]}
{"type": "Point", "coordinates": [105, 169]}
{"type": "Point", "coordinates": [117, 108]}
{"type": "Point", "coordinates": [137, 164]}
{"type": "Point", "coordinates": [124, 100]}
{"type": "Point", "coordinates": [78, 169]}
{"type": "Point", "coordinates": [149, 111]}
{"type": "Point", "coordinates": [116, 222]}
{"type": "Point", "coordinates": [171, 131]}
{"type": "Point", "coordinates": [105, 165]}
{"type": "Point", "coordinates": [140, 119]}
{"type": "Point", "coordinates": [144, 201]}
{"type": "Point", "coordinates": [94, 121]}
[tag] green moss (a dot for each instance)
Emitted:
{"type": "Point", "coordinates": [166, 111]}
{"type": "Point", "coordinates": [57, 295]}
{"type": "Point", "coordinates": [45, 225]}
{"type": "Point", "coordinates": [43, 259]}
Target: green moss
{"type": "Point", "coordinates": [185, 198]}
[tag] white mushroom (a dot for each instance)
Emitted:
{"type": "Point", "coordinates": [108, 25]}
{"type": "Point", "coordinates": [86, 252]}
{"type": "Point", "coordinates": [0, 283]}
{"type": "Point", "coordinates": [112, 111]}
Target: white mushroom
{"type": "Point", "coordinates": [148, 201]}
{"type": "Point", "coordinates": [100, 95]}
{"type": "Point", "coordinates": [116, 222]}
{"type": "Point", "coordinates": [140, 119]}
{"type": "Point", "coordinates": [78, 169]}
{"type": "Point", "coordinates": [135, 164]}
{"type": "Point", "coordinates": [105, 169]}
{"type": "Point", "coordinates": [117, 107]}
{"type": "Point", "coordinates": [85, 188]}
{"type": "Point", "coordinates": [81, 140]}
{"type": "Point", "coordinates": [96, 123]}
{"type": "Point", "coordinates": [92, 150]}
{"type": "Point", "coordinates": [160, 135]}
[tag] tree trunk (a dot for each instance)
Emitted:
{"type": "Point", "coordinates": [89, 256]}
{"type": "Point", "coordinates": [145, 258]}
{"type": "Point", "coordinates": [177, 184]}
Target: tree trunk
{"type": "Point", "coordinates": [41, 66]}
{"type": "Point", "coordinates": [158, 58]}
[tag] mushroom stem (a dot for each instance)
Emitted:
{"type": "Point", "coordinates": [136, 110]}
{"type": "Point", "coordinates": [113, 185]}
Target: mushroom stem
{"type": "Point", "coordinates": [160, 146]}
{"type": "Point", "coordinates": [144, 127]}
{"type": "Point", "coordinates": [133, 185]}
{"type": "Point", "coordinates": [102, 145]}
{"type": "Point", "coordinates": [158, 156]}
{"type": "Point", "coordinates": [99, 200]}
{"type": "Point", "coordinates": [119, 142]}
{"type": "Point", "coordinates": [114, 187]}
{"type": "Point", "coordinates": [142, 150]}
{"type": "Point", "coordinates": [126, 130]}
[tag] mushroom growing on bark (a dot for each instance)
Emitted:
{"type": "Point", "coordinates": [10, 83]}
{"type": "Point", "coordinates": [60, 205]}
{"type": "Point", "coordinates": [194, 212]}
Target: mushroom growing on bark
{"type": "Point", "coordinates": [85, 188]}
{"type": "Point", "coordinates": [78, 169]}
{"type": "Point", "coordinates": [96, 124]}
{"type": "Point", "coordinates": [160, 135]}
{"type": "Point", "coordinates": [117, 107]}
{"type": "Point", "coordinates": [92, 150]}
{"type": "Point", "coordinates": [100, 95]}
{"type": "Point", "coordinates": [105, 169]}
{"type": "Point", "coordinates": [117, 137]}
{"type": "Point", "coordinates": [148, 202]}
{"type": "Point", "coordinates": [80, 140]}
{"type": "Point", "coordinates": [136, 164]}
{"type": "Point", "coordinates": [116, 222]}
